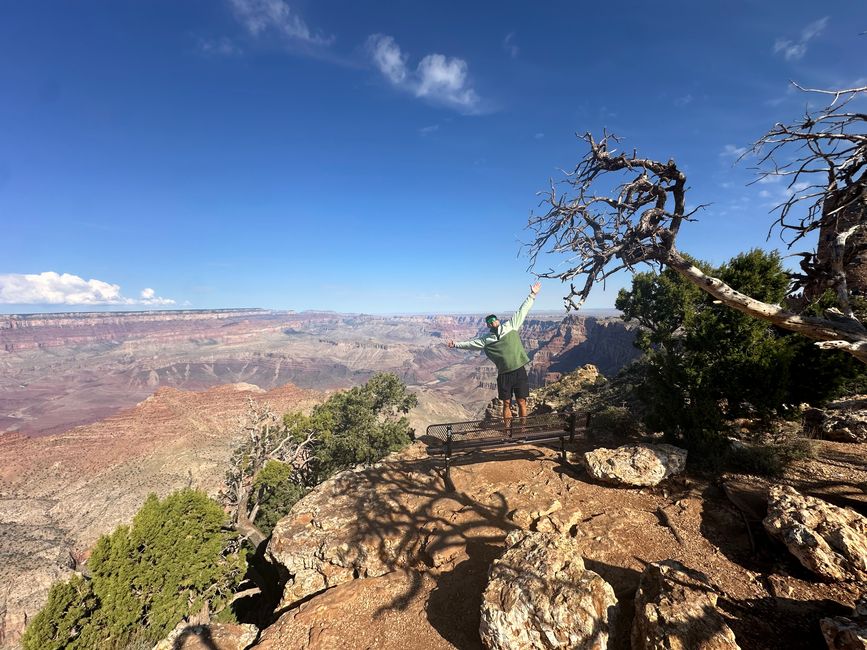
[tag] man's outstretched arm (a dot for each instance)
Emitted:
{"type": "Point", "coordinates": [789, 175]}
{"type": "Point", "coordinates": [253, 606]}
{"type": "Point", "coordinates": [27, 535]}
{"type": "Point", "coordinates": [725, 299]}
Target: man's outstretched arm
{"type": "Point", "coordinates": [472, 344]}
{"type": "Point", "coordinates": [518, 319]}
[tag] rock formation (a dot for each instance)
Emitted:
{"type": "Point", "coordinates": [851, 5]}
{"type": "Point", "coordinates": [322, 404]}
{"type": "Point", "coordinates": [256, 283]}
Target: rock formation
{"type": "Point", "coordinates": [843, 421]}
{"type": "Point", "coordinates": [828, 540]}
{"type": "Point", "coordinates": [540, 596]}
{"type": "Point", "coordinates": [636, 465]}
{"type": "Point", "coordinates": [847, 632]}
{"type": "Point", "coordinates": [676, 609]}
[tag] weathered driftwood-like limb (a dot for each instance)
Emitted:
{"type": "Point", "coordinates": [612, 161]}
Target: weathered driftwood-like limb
{"type": "Point", "coordinates": [846, 334]}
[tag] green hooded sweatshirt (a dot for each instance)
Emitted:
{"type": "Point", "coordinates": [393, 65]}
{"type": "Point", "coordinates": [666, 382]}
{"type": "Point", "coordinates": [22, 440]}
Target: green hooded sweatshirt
{"type": "Point", "coordinates": [504, 346]}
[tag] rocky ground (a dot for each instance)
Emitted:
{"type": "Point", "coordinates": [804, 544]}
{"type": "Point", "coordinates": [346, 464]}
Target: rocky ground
{"type": "Point", "coordinates": [384, 557]}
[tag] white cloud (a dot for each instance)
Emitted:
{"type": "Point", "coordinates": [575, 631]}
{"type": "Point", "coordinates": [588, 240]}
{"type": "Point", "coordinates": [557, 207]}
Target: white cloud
{"type": "Point", "coordinates": [437, 78]}
{"type": "Point", "coordinates": [795, 50]}
{"type": "Point", "coordinates": [509, 45]}
{"type": "Point", "coordinates": [388, 58]}
{"type": "Point", "coordinates": [539, 136]}
{"type": "Point", "coordinates": [683, 100]}
{"type": "Point", "coordinates": [50, 288]}
{"type": "Point", "coordinates": [427, 130]}
{"type": "Point", "coordinates": [260, 16]}
{"type": "Point", "coordinates": [218, 47]}
{"type": "Point", "coordinates": [731, 150]}
{"type": "Point", "coordinates": [444, 78]}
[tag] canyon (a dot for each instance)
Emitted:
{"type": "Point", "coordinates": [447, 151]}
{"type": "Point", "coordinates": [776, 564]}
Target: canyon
{"type": "Point", "coordinates": [97, 410]}
{"type": "Point", "coordinates": [63, 370]}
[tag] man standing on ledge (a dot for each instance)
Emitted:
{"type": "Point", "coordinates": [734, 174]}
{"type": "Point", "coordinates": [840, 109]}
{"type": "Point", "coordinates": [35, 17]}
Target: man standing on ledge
{"type": "Point", "coordinates": [502, 345]}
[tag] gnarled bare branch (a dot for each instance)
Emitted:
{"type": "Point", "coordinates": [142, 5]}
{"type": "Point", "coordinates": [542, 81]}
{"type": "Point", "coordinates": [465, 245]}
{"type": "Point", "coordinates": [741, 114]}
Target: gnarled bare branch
{"type": "Point", "coordinates": [615, 210]}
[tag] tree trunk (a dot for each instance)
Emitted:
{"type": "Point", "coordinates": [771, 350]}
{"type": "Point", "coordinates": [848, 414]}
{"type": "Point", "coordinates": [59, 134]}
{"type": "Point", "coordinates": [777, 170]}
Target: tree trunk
{"type": "Point", "coordinates": [245, 525]}
{"type": "Point", "coordinates": [845, 334]}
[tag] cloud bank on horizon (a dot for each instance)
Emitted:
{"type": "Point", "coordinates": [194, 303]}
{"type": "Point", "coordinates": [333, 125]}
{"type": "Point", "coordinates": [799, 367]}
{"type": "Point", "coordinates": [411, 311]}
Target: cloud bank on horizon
{"type": "Point", "coordinates": [50, 288]}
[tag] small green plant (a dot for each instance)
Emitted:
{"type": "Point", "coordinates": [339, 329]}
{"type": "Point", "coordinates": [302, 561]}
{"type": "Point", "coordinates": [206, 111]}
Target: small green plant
{"type": "Point", "coordinates": [176, 558]}
{"type": "Point", "coordinates": [614, 421]}
{"type": "Point", "coordinates": [768, 460]}
{"type": "Point", "coordinates": [276, 492]}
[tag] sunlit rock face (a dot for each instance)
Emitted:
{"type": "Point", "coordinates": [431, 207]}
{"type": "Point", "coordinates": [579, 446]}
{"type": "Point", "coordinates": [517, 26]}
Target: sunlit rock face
{"type": "Point", "coordinates": [635, 465]}
{"type": "Point", "coordinates": [830, 541]}
{"type": "Point", "coordinates": [541, 596]}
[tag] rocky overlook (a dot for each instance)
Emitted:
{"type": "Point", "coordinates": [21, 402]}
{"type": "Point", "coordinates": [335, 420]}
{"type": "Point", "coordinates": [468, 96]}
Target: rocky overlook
{"type": "Point", "coordinates": [376, 556]}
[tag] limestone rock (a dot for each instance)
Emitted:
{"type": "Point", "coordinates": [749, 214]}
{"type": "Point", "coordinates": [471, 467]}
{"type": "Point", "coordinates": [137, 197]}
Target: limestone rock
{"type": "Point", "coordinates": [639, 465]}
{"type": "Point", "coordinates": [338, 532]}
{"type": "Point", "coordinates": [842, 421]}
{"type": "Point", "coordinates": [213, 636]}
{"type": "Point", "coordinates": [675, 609]}
{"type": "Point", "coordinates": [830, 541]}
{"type": "Point", "coordinates": [540, 595]}
{"type": "Point", "coordinates": [847, 632]}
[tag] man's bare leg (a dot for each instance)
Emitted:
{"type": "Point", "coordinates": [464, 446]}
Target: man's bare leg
{"type": "Point", "coordinates": [507, 416]}
{"type": "Point", "coordinates": [522, 407]}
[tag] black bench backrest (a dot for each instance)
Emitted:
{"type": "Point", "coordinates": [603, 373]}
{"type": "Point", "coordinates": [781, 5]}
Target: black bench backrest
{"type": "Point", "coordinates": [493, 430]}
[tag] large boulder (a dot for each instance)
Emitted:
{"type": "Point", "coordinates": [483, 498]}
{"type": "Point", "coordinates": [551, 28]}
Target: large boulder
{"type": "Point", "coordinates": [540, 595]}
{"type": "Point", "coordinates": [636, 465]}
{"type": "Point", "coordinates": [828, 540]}
{"type": "Point", "coordinates": [847, 632]}
{"type": "Point", "coordinates": [330, 536]}
{"type": "Point", "coordinates": [675, 609]}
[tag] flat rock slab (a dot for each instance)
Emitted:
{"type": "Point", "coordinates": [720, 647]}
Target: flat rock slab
{"type": "Point", "coordinates": [635, 465]}
{"type": "Point", "coordinates": [540, 595]}
{"type": "Point", "coordinates": [675, 609]}
{"type": "Point", "coordinates": [383, 613]}
{"type": "Point", "coordinates": [828, 540]}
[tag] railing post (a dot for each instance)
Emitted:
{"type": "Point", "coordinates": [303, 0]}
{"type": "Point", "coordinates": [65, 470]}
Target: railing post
{"type": "Point", "coordinates": [448, 450]}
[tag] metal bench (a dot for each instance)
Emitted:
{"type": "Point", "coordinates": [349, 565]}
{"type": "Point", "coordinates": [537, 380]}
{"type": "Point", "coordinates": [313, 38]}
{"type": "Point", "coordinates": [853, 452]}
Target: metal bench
{"type": "Point", "coordinates": [453, 437]}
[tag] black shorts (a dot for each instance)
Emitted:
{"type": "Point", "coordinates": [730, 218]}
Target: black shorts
{"type": "Point", "coordinates": [515, 381]}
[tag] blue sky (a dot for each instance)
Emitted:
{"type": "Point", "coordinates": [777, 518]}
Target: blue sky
{"type": "Point", "coordinates": [376, 157]}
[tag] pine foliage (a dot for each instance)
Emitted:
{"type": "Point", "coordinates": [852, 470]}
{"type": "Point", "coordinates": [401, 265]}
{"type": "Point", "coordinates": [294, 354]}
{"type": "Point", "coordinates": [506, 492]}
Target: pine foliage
{"type": "Point", "coordinates": [176, 559]}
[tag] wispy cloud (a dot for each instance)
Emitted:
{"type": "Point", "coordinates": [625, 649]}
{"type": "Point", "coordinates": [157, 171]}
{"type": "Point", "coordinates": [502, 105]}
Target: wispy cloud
{"type": "Point", "coordinates": [263, 16]}
{"type": "Point", "coordinates": [437, 78]}
{"type": "Point", "coordinates": [539, 136]}
{"type": "Point", "coordinates": [222, 46]}
{"type": "Point", "coordinates": [427, 130]}
{"type": "Point", "coordinates": [50, 288]}
{"type": "Point", "coordinates": [509, 45]}
{"type": "Point", "coordinates": [794, 50]}
{"type": "Point", "coordinates": [731, 151]}
{"type": "Point", "coordinates": [683, 100]}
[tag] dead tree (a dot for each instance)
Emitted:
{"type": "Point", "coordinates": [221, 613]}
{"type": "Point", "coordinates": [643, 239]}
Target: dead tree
{"type": "Point", "coordinates": [602, 231]}
{"type": "Point", "coordinates": [264, 438]}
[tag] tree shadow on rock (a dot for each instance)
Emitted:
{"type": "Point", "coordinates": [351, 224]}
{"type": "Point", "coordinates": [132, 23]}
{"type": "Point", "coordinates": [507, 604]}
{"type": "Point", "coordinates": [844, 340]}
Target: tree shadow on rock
{"type": "Point", "coordinates": [454, 606]}
{"type": "Point", "coordinates": [624, 581]}
{"type": "Point", "coordinates": [740, 537]}
{"type": "Point", "coordinates": [779, 623]}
